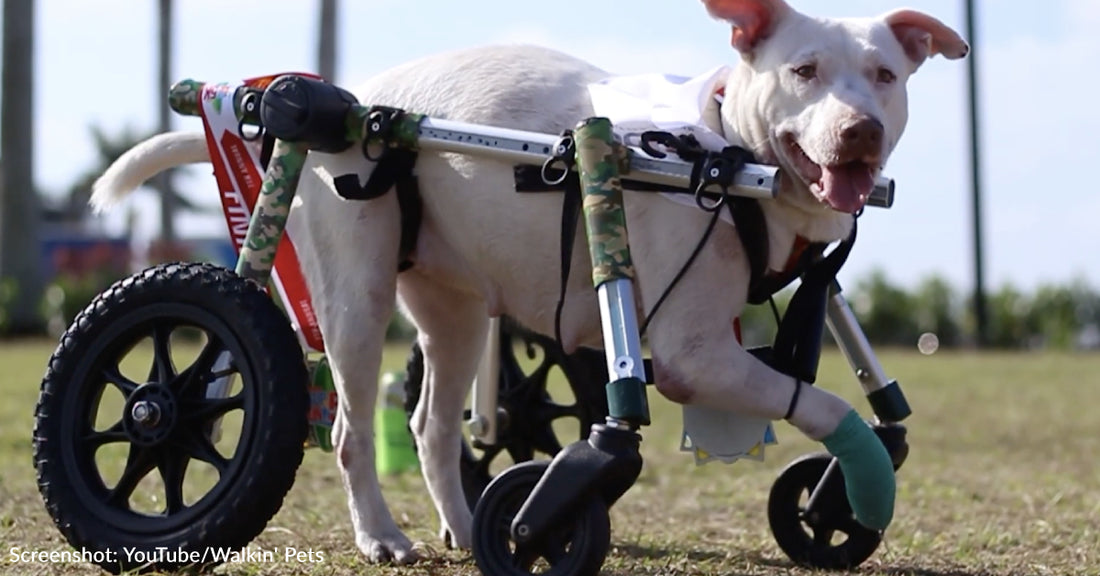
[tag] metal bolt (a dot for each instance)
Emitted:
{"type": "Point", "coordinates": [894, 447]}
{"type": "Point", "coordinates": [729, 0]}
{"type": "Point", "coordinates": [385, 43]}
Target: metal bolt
{"type": "Point", "coordinates": [623, 366]}
{"type": "Point", "coordinates": [145, 413]}
{"type": "Point", "coordinates": [523, 530]}
{"type": "Point", "coordinates": [862, 374]}
{"type": "Point", "coordinates": [477, 425]}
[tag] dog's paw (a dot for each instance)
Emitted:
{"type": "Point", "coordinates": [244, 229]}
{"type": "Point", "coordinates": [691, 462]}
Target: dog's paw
{"type": "Point", "coordinates": [395, 548]}
{"type": "Point", "coordinates": [456, 539]}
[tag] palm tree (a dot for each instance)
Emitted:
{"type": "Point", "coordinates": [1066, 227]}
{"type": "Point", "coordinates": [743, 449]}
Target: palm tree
{"type": "Point", "coordinates": [108, 147]}
{"type": "Point", "coordinates": [326, 41]}
{"type": "Point", "coordinates": [19, 205]}
{"type": "Point", "coordinates": [163, 183]}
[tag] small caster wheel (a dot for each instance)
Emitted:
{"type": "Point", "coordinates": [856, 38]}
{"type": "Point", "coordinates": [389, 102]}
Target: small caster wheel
{"type": "Point", "coordinates": [576, 550]}
{"type": "Point", "coordinates": [827, 536]}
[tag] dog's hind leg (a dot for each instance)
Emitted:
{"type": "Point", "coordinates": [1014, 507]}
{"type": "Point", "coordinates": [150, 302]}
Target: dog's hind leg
{"type": "Point", "coordinates": [452, 328]}
{"type": "Point", "coordinates": [349, 256]}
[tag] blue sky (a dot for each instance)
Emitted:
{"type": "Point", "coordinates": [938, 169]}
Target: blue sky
{"type": "Point", "coordinates": [97, 66]}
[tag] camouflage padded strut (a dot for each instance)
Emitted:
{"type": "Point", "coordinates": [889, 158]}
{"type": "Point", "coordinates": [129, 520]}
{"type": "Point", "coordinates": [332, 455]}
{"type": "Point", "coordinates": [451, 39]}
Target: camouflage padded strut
{"type": "Point", "coordinates": [598, 160]}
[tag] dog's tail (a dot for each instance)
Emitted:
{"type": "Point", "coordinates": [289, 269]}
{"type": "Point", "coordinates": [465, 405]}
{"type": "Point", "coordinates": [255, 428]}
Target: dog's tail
{"type": "Point", "coordinates": [144, 161]}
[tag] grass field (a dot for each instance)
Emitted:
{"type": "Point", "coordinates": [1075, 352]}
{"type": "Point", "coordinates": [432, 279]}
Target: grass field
{"type": "Point", "coordinates": [1003, 478]}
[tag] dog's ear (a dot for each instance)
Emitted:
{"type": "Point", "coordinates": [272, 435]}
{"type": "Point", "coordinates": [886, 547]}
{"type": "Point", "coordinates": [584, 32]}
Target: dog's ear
{"type": "Point", "coordinates": [752, 20]}
{"type": "Point", "coordinates": [923, 36]}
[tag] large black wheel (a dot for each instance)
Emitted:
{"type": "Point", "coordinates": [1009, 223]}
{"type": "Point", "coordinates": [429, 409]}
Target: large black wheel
{"type": "Point", "coordinates": [826, 537]}
{"type": "Point", "coordinates": [526, 409]}
{"type": "Point", "coordinates": [577, 549]}
{"type": "Point", "coordinates": [173, 415]}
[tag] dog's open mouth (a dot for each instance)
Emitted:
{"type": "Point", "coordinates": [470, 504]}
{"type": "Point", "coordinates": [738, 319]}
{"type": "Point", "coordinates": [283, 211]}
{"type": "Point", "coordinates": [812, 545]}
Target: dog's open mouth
{"type": "Point", "coordinates": [844, 187]}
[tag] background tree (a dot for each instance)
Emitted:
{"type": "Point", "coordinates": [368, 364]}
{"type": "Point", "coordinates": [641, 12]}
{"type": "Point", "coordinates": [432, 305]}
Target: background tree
{"type": "Point", "coordinates": [885, 311]}
{"type": "Point", "coordinates": [326, 40]}
{"type": "Point", "coordinates": [1057, 314]}
{"type": "Point", "coordinates": [163, 182]}
{"type": "Point", "coordinates": [936, 310]}
{"type": "Point", "coordinates": [20, 268]}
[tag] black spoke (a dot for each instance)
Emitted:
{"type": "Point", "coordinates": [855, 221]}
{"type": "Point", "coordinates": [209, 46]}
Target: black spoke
{"type": "Point", "coordinates": [173, 467]}
{"type": "Point", "coordinates": [524, 558]}
{"type": "Point", "coordinates": [544, 440]}
{"type": "Point", "coordinates": [211, 408]}
{"type": "Point", "coordinates": [487, 455]}
{"type": "Point", "coordinates": [199, 371]}
{"type": "Point", "coordinates": [232, 369]}
{"type": "Point", "coordinates": [524, 555]}
{"type": "Point", "coordinates": [520, 451]}
{"type": "Point", "coordinates": [162, 369]}
{"type": "Point", "coordinates": [94, 439]}
{"type": "Point", "coordinates": [553, 546]}
{"type": "Point", "coordinates": [849, 525]}
{"type": "Point", "coordinates": [554, 552]}
{"type": "Point", "coordinates": [138, 464]}
{"type": "Point", "coordinates": [823, 537]}
{"type": "Point", "coordinates": [199, 447]}
{"type": "Point", "coordinates": [114, 377]}
{"type": "Point", "coordinates": [550, 410]}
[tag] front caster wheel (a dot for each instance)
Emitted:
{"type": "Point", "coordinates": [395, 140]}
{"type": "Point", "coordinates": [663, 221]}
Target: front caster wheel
{"type": "Point", "coordinates": [577, 549]}
{"type": "Point", "coordinates": [172, 419]}
{"type": "Point", "coordinates": [826, 536]}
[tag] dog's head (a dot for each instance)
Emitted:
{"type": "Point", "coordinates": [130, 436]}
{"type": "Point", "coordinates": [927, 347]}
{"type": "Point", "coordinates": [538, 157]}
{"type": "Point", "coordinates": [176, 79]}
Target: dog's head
{"type": "Point", "coordinates": [825, 99]}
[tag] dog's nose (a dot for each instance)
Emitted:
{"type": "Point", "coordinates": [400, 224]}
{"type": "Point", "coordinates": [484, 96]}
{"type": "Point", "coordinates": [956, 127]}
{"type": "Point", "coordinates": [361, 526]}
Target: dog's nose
{"type": "Point", "coordinates": [863, 137]}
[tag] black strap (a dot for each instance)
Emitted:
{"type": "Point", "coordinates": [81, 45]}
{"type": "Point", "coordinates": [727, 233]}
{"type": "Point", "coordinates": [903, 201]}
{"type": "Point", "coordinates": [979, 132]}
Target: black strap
{"type": "Point", "coordinates": [570, 216]}
{"type": "Point", "coordinates": [752, 229]}
{"type": "Point", "coordinates": [707, 169]}
{"type": "Point", "coordinates": [267, 148]}
{"type": "Point", "coordinates": [394, 169]}
{"type": "Point", "coordinates": [408, 201]}
{"type": "Point", "coordinates": [816, 280]}
{"type": "Point", "coordinates": [794, 399]}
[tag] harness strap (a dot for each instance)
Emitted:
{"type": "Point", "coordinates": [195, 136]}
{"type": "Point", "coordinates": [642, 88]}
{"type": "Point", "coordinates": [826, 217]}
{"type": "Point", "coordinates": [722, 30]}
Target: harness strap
{"type": "Point", "coordinates": [570, 215]}
{"type": "Point", "coordinates": [394, 169]}
{"type": "Point", "coordinates": [267, 148]}
{"type": "Point", "coordinates": [407, 188]}
{"type": "Point", "coordinates": [752, 229]}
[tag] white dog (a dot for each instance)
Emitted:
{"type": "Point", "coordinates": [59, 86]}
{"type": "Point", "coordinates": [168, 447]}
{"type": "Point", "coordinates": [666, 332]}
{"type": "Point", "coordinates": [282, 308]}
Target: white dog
{"type": "Point", "coordinates": [823, 99]}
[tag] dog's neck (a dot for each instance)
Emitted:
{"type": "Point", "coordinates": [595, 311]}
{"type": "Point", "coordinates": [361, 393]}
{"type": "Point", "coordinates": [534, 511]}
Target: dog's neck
{"type": "Point", "coordinates": [795, 211]}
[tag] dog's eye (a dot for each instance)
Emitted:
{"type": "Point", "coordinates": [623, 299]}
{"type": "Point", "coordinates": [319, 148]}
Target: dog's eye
{"type": "Point", "coordinates": [807, 71]}
{"type": "Point", "coordinates": [885, 76]}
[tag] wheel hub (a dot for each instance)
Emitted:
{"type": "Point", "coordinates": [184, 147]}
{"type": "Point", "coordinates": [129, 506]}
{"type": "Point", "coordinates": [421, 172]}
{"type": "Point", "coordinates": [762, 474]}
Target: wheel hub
{"type": "Point", "coordinates": [150, 414]}
{"type": "Point", "coordinates": [145, 413]}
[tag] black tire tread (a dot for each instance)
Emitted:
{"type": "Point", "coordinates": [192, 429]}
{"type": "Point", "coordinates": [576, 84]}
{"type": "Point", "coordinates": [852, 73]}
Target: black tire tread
{"type": "Point", "coordinates": [792, 540]}
{"type": "Point", "coordinates": [263, 482]}
{"type": "Point", "coordinates": [523, 477]}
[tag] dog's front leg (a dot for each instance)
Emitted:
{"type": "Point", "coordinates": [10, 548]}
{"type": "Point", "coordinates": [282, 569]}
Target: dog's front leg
{"type": "Point", "coordinates": [697, 360]}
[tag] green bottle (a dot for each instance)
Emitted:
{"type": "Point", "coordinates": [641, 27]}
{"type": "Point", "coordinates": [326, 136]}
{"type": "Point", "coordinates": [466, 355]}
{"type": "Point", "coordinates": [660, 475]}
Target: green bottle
{"type": "Point", "coordinates": [322, 404]}
{"type": "Point", "coordinates": [393, 444]}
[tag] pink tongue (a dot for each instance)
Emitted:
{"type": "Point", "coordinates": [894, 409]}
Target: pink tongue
{"type": "Point", "coordinates": [847, 187]}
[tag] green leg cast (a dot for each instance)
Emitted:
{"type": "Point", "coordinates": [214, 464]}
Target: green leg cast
{"type": "Point", "coordinates": [868, 471]}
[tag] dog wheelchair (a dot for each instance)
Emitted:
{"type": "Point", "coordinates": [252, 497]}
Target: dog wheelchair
{"type": "Point", "coordinates": [526, 518]}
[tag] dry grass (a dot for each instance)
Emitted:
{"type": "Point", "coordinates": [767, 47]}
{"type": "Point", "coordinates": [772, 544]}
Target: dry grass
{"type": "Point", "coordinates": [1002, 479]}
